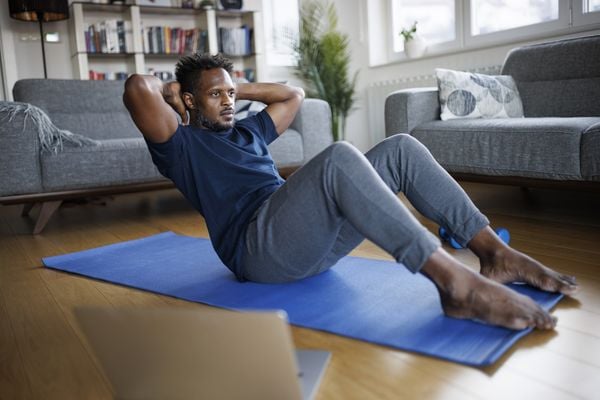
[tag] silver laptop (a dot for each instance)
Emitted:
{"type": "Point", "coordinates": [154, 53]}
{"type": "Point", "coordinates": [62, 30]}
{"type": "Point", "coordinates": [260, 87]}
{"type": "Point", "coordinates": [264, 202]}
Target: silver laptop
{"type": "Point", "coordinates": [200, 354]}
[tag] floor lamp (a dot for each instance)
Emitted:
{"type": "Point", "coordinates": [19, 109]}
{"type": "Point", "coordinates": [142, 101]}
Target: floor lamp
{"type": "Point", "coordinates": [40, 11]}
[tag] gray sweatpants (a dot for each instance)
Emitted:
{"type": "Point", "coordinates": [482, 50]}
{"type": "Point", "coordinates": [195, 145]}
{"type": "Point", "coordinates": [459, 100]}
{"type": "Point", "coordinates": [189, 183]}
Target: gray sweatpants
{"type": "Point", "coordinates": [340, 197]}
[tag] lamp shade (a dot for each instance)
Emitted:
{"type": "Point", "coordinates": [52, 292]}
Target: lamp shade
{"type": "Point", "coordinates": [45, 10]}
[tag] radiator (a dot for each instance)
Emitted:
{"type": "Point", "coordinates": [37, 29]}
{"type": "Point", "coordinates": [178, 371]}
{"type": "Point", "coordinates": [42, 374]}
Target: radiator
{"type": "Point", "coordinates": [378, 91]}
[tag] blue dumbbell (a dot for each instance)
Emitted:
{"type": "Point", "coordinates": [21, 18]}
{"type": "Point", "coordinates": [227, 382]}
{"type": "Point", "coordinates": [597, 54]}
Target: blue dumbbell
{"type": "Point", "coordinates": [502, 233]}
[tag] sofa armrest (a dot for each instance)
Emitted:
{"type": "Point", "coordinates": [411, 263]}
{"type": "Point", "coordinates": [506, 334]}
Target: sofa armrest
{"type": "Point", "coordinates": [20, 170]}
{"type": "Point", "coordinates": [313, 122]}
{"type": "Point", "coordinates": [409, 108]}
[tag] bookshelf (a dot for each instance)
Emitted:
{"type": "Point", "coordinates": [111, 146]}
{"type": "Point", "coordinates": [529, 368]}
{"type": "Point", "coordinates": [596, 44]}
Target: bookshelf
{"type": "Point", "coordinates": [112, 41]}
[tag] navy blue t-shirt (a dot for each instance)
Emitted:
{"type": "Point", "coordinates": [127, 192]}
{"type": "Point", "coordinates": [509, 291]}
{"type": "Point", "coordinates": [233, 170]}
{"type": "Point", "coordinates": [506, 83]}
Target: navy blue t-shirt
{"type": "Point", "coordinates": [225, 175]}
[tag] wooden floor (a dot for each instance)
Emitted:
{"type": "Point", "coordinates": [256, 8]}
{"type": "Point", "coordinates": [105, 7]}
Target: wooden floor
{"type": "Point", "coordinates": [43, 354]}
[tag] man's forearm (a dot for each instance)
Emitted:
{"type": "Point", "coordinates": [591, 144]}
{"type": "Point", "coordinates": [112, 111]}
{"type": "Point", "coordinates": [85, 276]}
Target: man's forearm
{"type": "Point", "coordinates": [267, 93]}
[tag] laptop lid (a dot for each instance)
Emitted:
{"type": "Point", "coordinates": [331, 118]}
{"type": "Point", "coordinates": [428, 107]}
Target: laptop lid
{"type": "Point", "coordinates": [198, 353]}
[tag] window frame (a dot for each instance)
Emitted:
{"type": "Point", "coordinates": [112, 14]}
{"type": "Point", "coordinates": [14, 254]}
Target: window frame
{"type": "Point", "coordinates": [571, 19]}
{"type": "Point", "coordinates": [584, 18]}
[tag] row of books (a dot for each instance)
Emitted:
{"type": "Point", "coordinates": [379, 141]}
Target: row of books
{"type": "Point", "coordinates": [109, 36]}
{"type": "Point", "coordinates": [168, 40]}
{"type": "Point", "coordinates": [121, 76]}
{"type": "Point", "coordinates": [102, 76]}
{"type": "Point", "coordinates": [115, 36]}
{"type": "Point", "coordinates": [236, 41]}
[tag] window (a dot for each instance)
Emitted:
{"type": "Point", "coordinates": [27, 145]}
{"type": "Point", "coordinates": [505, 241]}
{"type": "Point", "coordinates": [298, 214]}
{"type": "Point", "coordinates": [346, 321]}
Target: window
{"type": "Point", "coordinates": [591, 6]}
{"type": "Point", "coordinates": [281, 22]}
{"type": "Point", "coordinates": [499, 15]}
{"type": "Point", "coordinates": [457, 25]}
{"type": "Point", "coordinates": [436, 22]}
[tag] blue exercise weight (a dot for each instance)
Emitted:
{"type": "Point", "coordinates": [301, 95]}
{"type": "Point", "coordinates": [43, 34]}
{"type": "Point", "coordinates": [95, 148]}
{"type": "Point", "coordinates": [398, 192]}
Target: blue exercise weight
{"type": "Point", "coordinates": [502, 233]}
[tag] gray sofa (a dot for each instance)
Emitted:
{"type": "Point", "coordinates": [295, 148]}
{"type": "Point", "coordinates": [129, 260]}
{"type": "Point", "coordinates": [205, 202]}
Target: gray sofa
{"type": "Point", "coordinates": [556, 144]}
{"type": "Point", "coordinates": [40, 163]}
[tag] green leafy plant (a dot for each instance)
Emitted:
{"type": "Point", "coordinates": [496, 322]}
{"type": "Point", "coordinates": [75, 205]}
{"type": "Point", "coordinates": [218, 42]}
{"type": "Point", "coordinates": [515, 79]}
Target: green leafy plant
{"type": "Point", "coordinates": [207, 4]}
{"type": "Point", "coordinates": [409, 34]}
{"type": "Point", "coordinates": [323, 61]}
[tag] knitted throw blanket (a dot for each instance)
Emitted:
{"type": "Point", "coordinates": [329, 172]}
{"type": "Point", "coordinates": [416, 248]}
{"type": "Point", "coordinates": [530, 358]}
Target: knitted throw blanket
{"type": "Point", "coordinates": [51, 137]}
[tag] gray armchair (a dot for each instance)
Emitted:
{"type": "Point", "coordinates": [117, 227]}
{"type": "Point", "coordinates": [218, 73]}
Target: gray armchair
{"type": "Point", "coordinates": [556, 144]}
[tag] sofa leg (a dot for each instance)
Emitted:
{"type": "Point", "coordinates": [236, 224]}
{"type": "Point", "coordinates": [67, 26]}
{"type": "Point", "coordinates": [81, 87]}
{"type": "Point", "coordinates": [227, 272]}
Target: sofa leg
{"type": "Point", "coordinates": [27, 208]}
{"type": "Point", "coordinates": [48, 208]}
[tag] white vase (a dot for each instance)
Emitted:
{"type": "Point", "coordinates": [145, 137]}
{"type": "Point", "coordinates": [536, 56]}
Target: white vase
{"type": "Point", "coordinates": [415, 47]}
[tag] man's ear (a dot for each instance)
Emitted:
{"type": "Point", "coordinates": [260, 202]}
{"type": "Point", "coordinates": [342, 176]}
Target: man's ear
{"type": "Point", "coordinates": [188, 99]}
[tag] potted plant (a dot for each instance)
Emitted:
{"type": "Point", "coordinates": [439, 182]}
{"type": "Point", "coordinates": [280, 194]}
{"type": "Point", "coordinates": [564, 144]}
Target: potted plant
{"type": "Point", "coordinates": [414, 45]}
{"type": "Point", "coordinates": [323, 61]}
{"type": "Point", "coordinates": [205, 4]}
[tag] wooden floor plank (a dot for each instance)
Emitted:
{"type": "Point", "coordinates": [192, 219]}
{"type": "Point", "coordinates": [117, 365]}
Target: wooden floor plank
{"type": "Point", "coordinates": [13, 379]}
{"type": "Point", "coordinates": [53, 356]}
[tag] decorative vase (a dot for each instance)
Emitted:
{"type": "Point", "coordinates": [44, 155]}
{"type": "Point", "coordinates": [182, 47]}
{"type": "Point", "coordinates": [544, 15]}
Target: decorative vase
{"type": "Point", "coordinates": [415, 47]}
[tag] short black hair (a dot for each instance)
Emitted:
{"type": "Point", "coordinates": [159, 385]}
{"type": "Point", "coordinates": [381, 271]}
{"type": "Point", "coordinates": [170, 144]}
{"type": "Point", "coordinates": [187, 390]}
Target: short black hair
{"type": "Point", "coordinates": [189, 68]}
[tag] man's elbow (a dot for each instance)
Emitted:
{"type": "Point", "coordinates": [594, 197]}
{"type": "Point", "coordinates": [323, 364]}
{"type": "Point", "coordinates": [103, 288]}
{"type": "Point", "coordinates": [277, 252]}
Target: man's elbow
{"type": "Point", "coordinates": [135, 83]}
{"type": "Point", "coordinates": [140, 86]}
{"type": "Point", "coordinates": [299, 92]}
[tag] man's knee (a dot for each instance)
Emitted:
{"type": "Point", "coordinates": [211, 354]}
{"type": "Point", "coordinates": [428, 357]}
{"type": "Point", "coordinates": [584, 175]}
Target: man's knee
{"type": "Point", "coordinates": [402, 140]}
{"type": "Point", "coordinates": [342, 156]}
{"type": "Point", "coordinates": [343, 152]}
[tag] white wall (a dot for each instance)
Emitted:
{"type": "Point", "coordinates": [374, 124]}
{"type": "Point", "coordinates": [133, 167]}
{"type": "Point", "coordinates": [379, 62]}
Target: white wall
{"type": "Point", "coordinates": [22, 50]}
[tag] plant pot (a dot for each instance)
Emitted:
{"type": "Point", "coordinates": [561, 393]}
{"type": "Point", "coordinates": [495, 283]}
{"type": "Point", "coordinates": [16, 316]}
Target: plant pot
{"type": "Point", "coordinates": [415, 47]}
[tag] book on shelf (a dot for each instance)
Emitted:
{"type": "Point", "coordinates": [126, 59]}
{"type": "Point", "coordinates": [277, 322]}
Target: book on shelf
{"type": "Point", "coordinates": [236, 41]}
{"type": "Point", "coordinates": [109, 36]}
{"type": "Point", "coordinates": [172, 40]}
{"type": "Point", "coordinates": [102, 76]}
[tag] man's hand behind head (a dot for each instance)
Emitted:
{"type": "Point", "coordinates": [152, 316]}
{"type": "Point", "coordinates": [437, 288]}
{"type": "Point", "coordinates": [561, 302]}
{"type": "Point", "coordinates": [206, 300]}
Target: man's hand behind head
{"type": "Point", "coordinates": [172, 94]}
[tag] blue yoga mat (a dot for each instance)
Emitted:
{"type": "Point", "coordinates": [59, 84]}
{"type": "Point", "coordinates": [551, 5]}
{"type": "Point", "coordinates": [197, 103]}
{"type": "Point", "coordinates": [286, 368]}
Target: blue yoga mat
{"type": "Point", "coordinates": [371, 300]}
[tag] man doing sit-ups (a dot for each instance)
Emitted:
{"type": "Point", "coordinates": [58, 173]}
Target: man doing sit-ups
{"type": "Point", "coordinates": [269, 230]}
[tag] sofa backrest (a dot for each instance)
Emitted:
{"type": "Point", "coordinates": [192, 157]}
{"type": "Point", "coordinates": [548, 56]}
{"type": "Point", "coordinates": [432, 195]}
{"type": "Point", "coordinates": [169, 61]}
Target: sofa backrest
{"type": "Point", "coordinates": [91, 108]}
{"type": "Point", "coordinates": [558, 79]}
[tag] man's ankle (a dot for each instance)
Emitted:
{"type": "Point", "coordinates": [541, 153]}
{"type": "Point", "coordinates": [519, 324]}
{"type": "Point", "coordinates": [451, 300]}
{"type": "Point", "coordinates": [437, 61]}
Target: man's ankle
{"type": "Point", "coordinates": [444, 271]}
{"type": "Point", "coordinates": [486, 244]}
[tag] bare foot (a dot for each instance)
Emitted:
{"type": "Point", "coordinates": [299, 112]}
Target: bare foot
{"type": "Point", "coordinates": [468, 295]}
{"type": "Point", "coordinates": [504, 264]}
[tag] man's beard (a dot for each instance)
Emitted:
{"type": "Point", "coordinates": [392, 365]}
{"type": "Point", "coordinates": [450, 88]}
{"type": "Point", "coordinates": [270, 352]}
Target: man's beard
{"type": "Point", "coordinates": [202, 121]}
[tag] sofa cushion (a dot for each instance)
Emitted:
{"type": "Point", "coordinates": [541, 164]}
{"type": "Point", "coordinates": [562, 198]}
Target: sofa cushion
{"type": "Point", "coordinates": [287, 150]}
{"type": "Point", "coordinates": [110, 162]}
{"type": "Point", "coordinates": [559, 78]}
{"type": "Point", "coordinates": [247, 108]}
{"type": "Point", "coordinates": [547, 148]}
{"type": "Point", "coordinates": [97, 114]}
{"type": "Point", "coordinates": [561, 98]}
{"type": "Point", "coordinates": [470, 95]}
{"type": "Point", "coordinates": [590, 153]}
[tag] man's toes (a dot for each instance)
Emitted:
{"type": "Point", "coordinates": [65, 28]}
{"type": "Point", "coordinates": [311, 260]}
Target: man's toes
{"type": "Point", "coordinates": [543, 319]}
{"type": "Point", "coordinates": [521, 323]}
{"type": "Point", "coordinates": [549, 322]}
{"type": "Point", "coordinates": [568, 284]}
{"type": "Point", "coordinates": [569, 279]}
{"type": "Point", "coordinates": [555, 283]}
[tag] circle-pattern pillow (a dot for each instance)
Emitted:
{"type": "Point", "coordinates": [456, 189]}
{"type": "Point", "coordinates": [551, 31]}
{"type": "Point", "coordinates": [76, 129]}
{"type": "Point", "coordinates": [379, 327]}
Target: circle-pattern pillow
{"type": "Point", "coordinates": [471, 95]}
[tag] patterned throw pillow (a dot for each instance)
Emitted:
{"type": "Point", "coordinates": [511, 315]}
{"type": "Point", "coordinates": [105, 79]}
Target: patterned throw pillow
{"type": "Point", "coordinates": [247, 108]}
{"type": "Point", "coordinates": [470, 95]}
